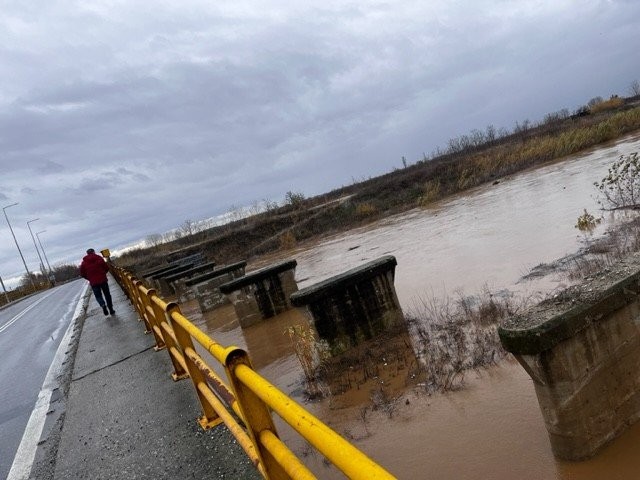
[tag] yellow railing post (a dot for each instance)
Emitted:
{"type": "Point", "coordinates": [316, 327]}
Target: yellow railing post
{"type": "Point", "coordinates": [209, 418]}
{"type": "Point", "coordinates": [255, 413]}
{"type": "Point", "coordinates": [139, 304]}
{"type": "Point", "coordinates": [126, 279]}
{"type": "Point", "coordinates": [132, 289]}
{"type": "Point", "coordinates": [179, 372]}
{"type": "Point", "coordinates": [152, 320]}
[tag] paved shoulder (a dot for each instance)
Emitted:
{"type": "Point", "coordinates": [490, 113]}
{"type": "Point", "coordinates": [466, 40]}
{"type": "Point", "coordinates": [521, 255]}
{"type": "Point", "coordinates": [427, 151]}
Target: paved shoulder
{"type": "Point", "coordinates": [126, 418]}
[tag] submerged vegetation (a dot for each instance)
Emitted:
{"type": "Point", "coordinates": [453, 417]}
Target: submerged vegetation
{"type": "Point", "coordinates": [445, 338]}
{"type": "Point", "coordinates": [587, 222]}
{"type": "Point", "coordinates": [620, 188]}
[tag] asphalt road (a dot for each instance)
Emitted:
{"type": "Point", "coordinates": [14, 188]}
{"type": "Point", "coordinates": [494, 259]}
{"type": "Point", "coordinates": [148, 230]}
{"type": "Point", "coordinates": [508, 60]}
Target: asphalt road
{"type": "Point", "coordinates": [30, 332]}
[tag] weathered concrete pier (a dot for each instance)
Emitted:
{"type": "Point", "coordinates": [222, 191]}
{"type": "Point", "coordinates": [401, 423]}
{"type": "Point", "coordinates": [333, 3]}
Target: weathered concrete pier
{"type": "Point", "coordinates": [148, 275]}
{"type": "Point", "coordinates": [176, 262]}
{"type": "Point", "coordinates": [159, 279]}
{"type": "Point", "coordinates": [262, 293]}
{"type": "Point", "coordinates": [206, 288]}
{"type": "Point", "coordinates": [175, 282]}
{"type": "Point", "coordinates": [354, 306]}
{"type": "Point", "coordinates": [582, 350]}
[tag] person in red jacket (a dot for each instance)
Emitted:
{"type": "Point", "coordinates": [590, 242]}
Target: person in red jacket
{"type": "Point", "coordinates": [94, 269]}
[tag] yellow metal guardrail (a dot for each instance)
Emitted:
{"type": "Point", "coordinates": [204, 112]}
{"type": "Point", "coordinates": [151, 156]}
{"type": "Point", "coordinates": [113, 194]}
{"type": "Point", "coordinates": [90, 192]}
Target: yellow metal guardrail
{"type": "Point", "coordinates": [246, 404]}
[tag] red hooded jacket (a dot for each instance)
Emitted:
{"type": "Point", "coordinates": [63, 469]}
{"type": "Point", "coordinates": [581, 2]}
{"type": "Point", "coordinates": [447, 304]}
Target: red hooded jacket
{"type": "Point", "coordinates": [94, 269]}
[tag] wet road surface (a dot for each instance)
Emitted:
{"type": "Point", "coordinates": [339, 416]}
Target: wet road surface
{"type": "Point", "coordinates": [30, 333]}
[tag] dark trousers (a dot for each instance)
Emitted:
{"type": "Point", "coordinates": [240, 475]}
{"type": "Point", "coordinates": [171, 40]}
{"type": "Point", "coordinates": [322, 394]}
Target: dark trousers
{"type": "Point", "coordinates": [99, 290]}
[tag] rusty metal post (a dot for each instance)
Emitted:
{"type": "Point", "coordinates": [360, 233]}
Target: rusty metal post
{"type": "Point", "coordinates": [144, 303]}
{"type": "Point", "coordinates": [126, 279]}
{"type": "Point", "coordinates": [139, 304]}
{"type": "Point", "coordinates": [179, 372]}
{"type": "Point", "coordinates": [209, 418]}
{"type": "Point", "coordinates": [152, 320]}
{"type": "Point", "coordinates": [255, 413]}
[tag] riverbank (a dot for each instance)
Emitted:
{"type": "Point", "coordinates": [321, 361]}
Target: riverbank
{"type": "Point", "coordinates": [419, 185]}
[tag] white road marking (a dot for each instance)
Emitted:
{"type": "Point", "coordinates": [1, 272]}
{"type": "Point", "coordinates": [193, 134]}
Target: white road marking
{"type": "Point", "coordinates": [23, 312]}
{"type": "Point", "coordinates": [23, 461]}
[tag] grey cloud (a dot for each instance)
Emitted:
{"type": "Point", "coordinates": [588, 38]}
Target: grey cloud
{"type": "Point", "coordinates": [227, 104]}
{"type": "Point", "coordinates": [49, 166]}
{"type": "Point", "coordinates": [89, 185]}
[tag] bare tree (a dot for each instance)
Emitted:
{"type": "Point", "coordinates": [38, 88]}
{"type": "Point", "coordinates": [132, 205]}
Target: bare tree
{"type": "Point", "coordinates": [594, 101]}
{"type": "Point", "coordinates": [295, 199]}
{"type": "Point", "coordinates": [634, 88]}
{"type": "Point", "coordinates": [153, 240]}
{"type": "Point", "coordinates": [188, 227]}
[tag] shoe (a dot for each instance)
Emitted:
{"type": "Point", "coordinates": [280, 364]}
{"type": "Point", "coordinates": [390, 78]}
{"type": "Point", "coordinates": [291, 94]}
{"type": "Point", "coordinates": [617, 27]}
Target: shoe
{"type": "Point", "coordinates": [112, 311]}
{"type": "Point", "coordinates": [105, 311]}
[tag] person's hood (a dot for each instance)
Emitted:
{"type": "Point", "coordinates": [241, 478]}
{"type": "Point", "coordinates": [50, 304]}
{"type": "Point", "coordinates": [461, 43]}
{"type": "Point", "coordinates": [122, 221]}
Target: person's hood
{"type": "Point", "coordinates": [92, 258]}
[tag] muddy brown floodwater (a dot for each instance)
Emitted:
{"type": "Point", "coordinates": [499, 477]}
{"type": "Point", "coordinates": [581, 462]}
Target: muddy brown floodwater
{"type": "Point", "coordinates": [491, 236]}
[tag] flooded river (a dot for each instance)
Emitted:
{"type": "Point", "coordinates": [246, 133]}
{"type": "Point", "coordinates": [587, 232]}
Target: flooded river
{"type": "Point", "coordinates": [490, 236]}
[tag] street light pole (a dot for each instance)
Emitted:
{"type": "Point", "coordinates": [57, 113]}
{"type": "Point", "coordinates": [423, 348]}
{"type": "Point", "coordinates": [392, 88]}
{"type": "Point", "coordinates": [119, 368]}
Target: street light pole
{"type": "Point", "coordinates": [4, 210]}
{"type": "Point", "coordinates": [44, 272]}
{"type": "Point", "coordinates": [42, 248]}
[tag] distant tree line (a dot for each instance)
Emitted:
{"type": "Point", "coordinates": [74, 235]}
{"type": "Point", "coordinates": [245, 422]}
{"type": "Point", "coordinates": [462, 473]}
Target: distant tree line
{"type": "Point", "coordinates": [59, 273]}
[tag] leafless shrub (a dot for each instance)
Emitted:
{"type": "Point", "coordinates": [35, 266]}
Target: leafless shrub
{"type": "Point", "coordinates": [455, 335]}
{"type": "Point", "coordinates": [364, 412]}
{"type": "Point", "coordinates": [604, 252]}
{"type": "Point", "coordinates": [310, 353]}
{"type": "Point", "coordinates": [383, 401]}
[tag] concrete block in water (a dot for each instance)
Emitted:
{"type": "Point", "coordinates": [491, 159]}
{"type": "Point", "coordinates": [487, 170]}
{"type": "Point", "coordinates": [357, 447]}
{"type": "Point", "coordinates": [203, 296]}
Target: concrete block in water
{"type": "Point", "coordinates": [582, 351]}
{"type": "Point", "coordinates": [262, 293]}
{"type": "Point", "coordinates": [354, 306]}
{"type": "Point", "coordinates": [176, 281]}
{"type": "Point", "coordinates": [160, 279]}
{"type": "Point", "coordinates": [206, 288]}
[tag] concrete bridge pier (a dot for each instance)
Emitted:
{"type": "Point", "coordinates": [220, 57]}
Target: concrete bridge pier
{"type": "Point", "coordinates": [206, 287]}
{"type": "Point", "coordinates": [355, 306]}
{"type": "Point", "coordinates": [582, 352]}
{"type": "Point", "coordinates": [263, 293]}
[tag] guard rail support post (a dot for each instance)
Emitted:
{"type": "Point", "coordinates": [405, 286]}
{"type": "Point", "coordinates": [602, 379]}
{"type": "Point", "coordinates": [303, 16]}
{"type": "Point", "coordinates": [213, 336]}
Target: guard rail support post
{"type": "Point", "coordinates": [126, 284]}
{"type": "Point", "coordinates": [131, 288]}
{"type": "Point", "coordinates": [154, 321]}
{"type": "Point", "coordinates": [140, 307]}
{"type": "Point", "coordinates": [210, 418]}
{"type": "Point", "coordinates": [134, 296]}
{"type": "Point", "coordinates": [132, 291]}
{"type": "Point", "coordinates": [255, 413]}
{"type": "Point", "coordinates": [179, 373]}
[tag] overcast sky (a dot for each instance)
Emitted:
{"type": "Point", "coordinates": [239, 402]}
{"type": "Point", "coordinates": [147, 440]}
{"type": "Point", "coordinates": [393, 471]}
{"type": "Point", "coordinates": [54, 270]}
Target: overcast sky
{"type": "Point", "coordinates": [121, 119]}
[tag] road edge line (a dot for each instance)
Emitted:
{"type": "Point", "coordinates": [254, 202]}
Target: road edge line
{"type": "Point", "coordinates": [25, 455]}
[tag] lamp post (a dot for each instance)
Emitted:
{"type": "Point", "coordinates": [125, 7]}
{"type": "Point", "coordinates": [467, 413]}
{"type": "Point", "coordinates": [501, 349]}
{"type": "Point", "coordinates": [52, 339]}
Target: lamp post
{"type": "Point", "coordinates": [4, 210]}
{"type": "Point", "coordinates": [44, 272]}
{"type": "Point", "coordinates": [43, 252]}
